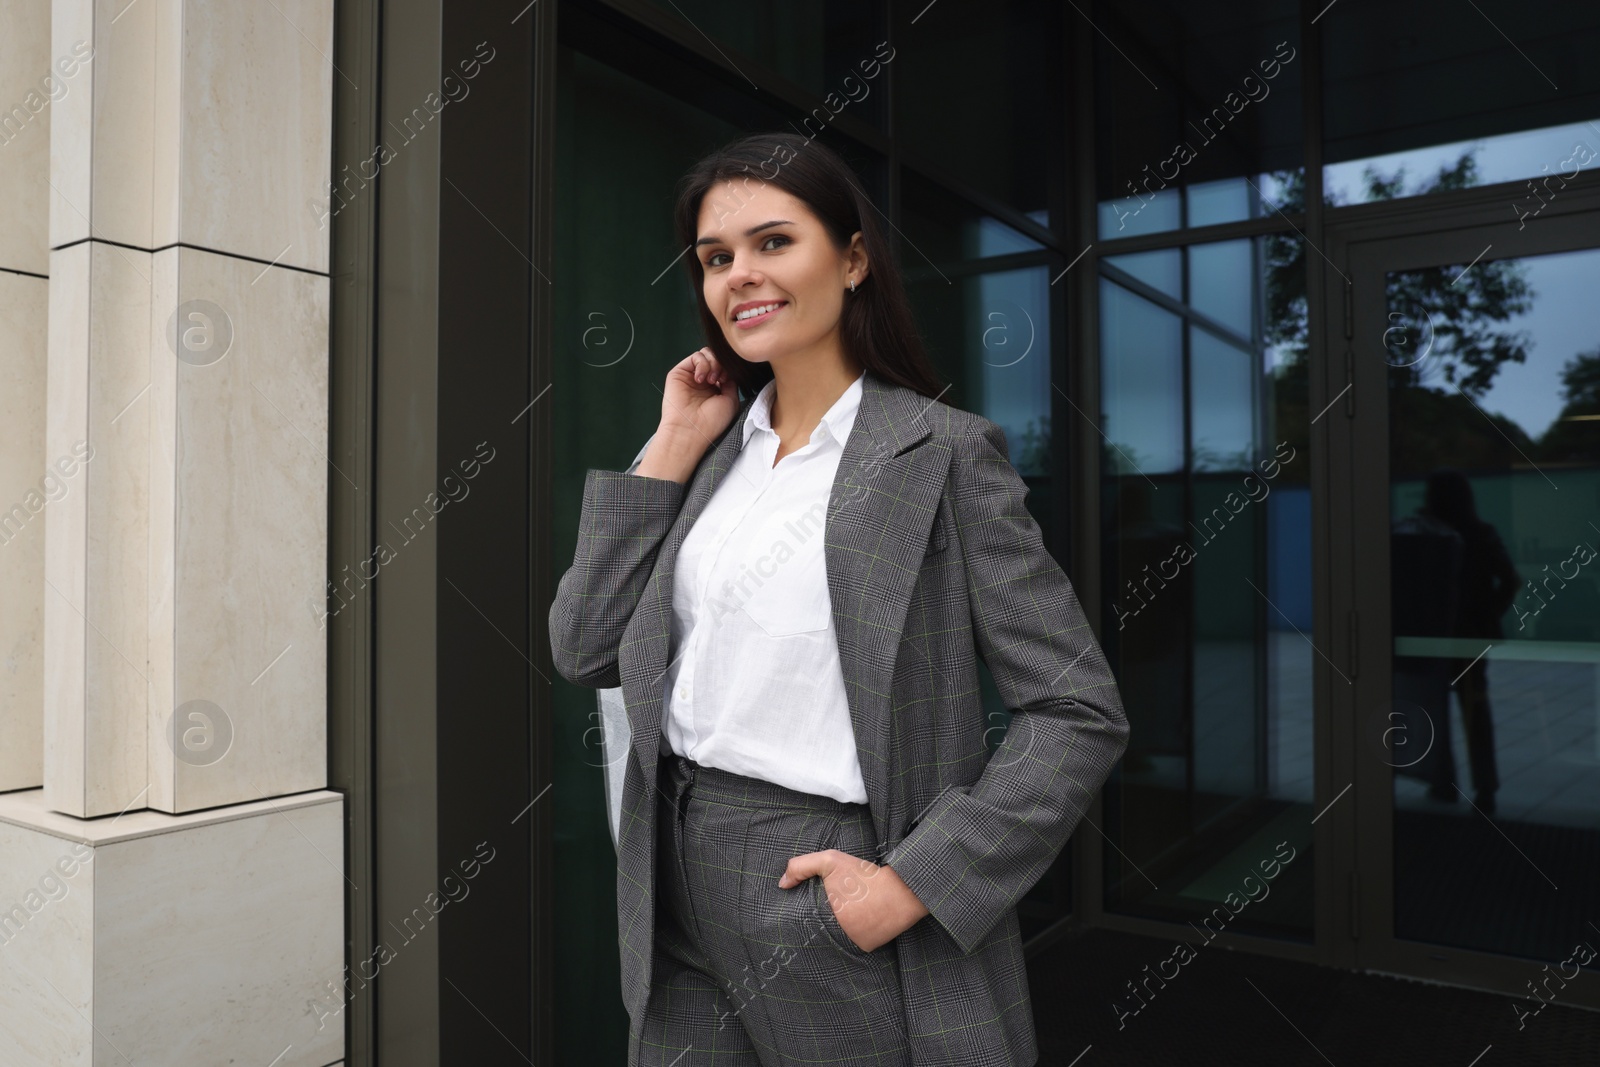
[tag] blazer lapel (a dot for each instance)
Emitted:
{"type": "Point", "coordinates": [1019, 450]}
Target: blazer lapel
{"type": "Point", "coordinates": [880, 511]}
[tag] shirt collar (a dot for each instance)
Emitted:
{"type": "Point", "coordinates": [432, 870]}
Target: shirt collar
{"type": "Point", "coordinates": [838, 419]}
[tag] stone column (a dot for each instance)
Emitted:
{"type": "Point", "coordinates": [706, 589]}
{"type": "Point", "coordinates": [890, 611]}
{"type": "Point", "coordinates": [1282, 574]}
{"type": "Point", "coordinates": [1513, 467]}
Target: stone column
{"type": "Point", "coordinates": [171, 865]}
{"type": "Point", "coordinates": [28, 483]}
{"type": "Point", "coordinates": [188, 347]}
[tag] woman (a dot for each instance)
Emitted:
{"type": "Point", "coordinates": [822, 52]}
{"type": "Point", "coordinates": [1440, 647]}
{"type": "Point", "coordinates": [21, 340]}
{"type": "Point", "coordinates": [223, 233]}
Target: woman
{"type": "Point", "coordinates": [818, 859]}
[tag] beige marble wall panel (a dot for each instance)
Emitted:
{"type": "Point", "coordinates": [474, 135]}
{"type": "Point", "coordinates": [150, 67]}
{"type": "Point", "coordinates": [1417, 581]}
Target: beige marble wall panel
{"type": "Point", "coordinates": [28, 84]}
{"type": "Point", "coordinates": [101, 133]}
{"type": "Point", "coordinates": [202, 122]}
{"type": "Point", "coordinates": [247, 920]}
{"type": "Point", "coordinates": [46, 948]}
{"type": "Point", "coordinates": [96, 536]}
{"type": "Point", "coordinates": [165, 739]}
{"type": "Point", "coordinates": [28, 485]}
{"type": "Point", "coordinates": [239, 468]}
{"type": "Point", "coordinates": [255, 131]}
{"type": "Point", "coordinates": [27, 808]}
{"type": "Point", "coordinates": [71, 124]}
{"type": "Point", "coordinates": [166, 124]}
{"type": "Point", "coordinates": [66, 525]}
{"type": "Point", "coordinates": [186, 941]}
{"type": "Point", "coordinates": [123, 74]}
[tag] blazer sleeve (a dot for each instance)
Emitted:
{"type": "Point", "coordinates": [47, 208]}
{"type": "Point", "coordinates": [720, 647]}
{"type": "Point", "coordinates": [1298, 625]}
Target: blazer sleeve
{"type": "Point", "coordinates": [624, 518]}
{"type": "Point", "coordinates": [978, 847]}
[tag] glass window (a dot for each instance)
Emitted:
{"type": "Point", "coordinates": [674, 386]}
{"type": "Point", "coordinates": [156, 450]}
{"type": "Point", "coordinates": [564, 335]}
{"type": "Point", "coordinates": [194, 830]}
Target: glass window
{"type": "Point", "coordinates": [1011, 310]}
{"type": "Point", "coordinates": [990, 334]}
{"type": "Point", "coordinates": [1506, 94]}
{"type": "Point", "coordinates": [1225, 200]}
{"type": "Point", "coordinates": [1547, 158]}
{"type": "Point", "coordinates": [836, 51]}
{"type": "Point", "coordinates": [1151, 210]}
{"type": "Point", "coordinates": [1161, 269]}
{"type": "Point", "coordinates": [1216, 286]}
{"type": "Point", "coordinates": [1197, 119]}
{"type": "Point", "coordinates": [947, 229]}
{"type": "Point", "coordinates": [1141, 370]}
{"type": "Point", "coordinates": [975, 90]}
{"type": "Point", "coordinates": [1207, 583]}
{"type": "Point", "coordinates": [1224, 402]}
{"type": "Point", "coordinates": [991, 338]}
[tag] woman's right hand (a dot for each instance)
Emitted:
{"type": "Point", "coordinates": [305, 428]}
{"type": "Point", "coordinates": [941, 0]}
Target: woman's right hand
{"type": "Point", "coordinates": [698, 402]}
{"type": "Point", "coordinates": [699, 399]}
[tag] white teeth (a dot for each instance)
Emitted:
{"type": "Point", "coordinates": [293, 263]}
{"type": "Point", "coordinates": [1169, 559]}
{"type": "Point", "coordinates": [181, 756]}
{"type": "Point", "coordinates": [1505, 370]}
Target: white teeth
{"type": "Point", "coordinates": [753, 312]}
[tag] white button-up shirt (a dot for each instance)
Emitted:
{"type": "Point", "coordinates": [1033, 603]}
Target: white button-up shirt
{"type": "Point", "coordinates": [754, 686]}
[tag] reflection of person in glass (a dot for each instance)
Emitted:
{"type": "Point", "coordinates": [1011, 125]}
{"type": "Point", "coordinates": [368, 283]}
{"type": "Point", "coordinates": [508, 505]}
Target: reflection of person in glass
{"type": "Point", "coordinates": [1488, 584]}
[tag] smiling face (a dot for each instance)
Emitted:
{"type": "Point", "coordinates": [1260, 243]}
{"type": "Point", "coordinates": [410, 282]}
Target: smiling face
{"type": "Point", "coordinates": [760, 246]}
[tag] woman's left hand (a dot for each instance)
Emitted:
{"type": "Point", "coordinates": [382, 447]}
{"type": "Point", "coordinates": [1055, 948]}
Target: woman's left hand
{"type": "Point", "coordinates": [870, 901]}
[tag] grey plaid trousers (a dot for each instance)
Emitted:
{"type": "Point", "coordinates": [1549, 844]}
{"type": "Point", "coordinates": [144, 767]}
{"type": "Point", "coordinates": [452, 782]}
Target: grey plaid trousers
{"type": "Point", "coordinates": [748, 973]}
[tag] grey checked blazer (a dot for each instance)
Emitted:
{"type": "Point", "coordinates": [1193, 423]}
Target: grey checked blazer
{"type": "Point", "coordinates": [932, 560]}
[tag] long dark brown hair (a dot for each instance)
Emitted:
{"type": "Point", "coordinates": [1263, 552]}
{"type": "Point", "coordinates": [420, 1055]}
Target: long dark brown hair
{"type": "Point", "coordinates": [876, 326]}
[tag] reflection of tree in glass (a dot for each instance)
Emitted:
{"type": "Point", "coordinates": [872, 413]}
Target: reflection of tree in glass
{"type": "Point", "coordinates": [1575, 435]}
{"type": "Point", "coordinates": [1206, 458]}
{"type": "Point", "coordinates": [1033, 452]}
{"type": "Point", "coordinates": [1464, 348]}
{"type": "Point", "coordinates": [1461, 310]}
{"type": "Point", "coordinates": [1124, 458]}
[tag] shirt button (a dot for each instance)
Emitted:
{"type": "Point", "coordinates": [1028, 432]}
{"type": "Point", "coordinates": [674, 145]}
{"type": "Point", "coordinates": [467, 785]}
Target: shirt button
{"type": "Point", "coordinates": [683, 693]}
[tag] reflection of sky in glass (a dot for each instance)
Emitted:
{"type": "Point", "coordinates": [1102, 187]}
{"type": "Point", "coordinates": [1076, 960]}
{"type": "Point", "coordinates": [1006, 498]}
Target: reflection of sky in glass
{"type": "Point", "coordinates": [1012, 318]}
{"type": "Point", "coordinates": [1209, 203]}
{"type": "Point", "coordinates": [1277, 356]}
{"type": "Point", "coordinates": [1223, 404]}
{"type": "Point", "coordinates": [1561, 325]}
{"type": "Point", "coordinates": [1142, 368]}
{"type": "Point", "coordinates": [1129, 216]}
{"type": "Point", "coordinates": [1141, 376]}
{"type": "Point", "coordinates": [1221, 284]}
{"type": "Point", "coordinates": [1529, 154]}
{"type": "Point", "coordinates": [1161, 269]}
{"type": "Point", "coordinates": [994, 237]}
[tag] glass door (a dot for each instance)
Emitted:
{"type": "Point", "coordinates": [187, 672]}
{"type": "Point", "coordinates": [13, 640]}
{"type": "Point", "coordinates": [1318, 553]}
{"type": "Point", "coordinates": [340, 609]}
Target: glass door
{"type": "Point", "coordinates": [1472, 713]}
